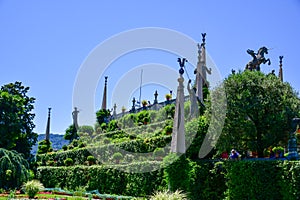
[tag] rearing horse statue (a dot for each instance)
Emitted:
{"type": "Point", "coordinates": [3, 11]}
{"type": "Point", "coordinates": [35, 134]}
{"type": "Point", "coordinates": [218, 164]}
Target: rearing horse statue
{"type": "Point", "coordinates": [258, 58]}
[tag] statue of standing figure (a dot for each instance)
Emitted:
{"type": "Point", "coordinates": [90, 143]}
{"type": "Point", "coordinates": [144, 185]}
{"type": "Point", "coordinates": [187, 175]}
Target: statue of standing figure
{"type": "Point", "coordinates": [194, 110]}
{"type": "Point", "coordinates": [75, 117]}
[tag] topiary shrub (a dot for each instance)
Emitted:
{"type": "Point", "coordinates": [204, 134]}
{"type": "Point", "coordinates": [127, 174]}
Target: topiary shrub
{"type": "Point", "coordinates": [91, 160]}
{"type": "Point", "coordinates": [44, 147]}
{"type": "Point", "coordinates": [117, 157]}
{"type": "Point", "coordinates": [65, 147]}
{"type": "Point", "coordinates": [32, 188]}
{"type": "Point", "coordinates": [68, 162]}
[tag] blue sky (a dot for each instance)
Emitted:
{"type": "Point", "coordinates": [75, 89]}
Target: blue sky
{"type": "Point", "coordinates": [44, 43]}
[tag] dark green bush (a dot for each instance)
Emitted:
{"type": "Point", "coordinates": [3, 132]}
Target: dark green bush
{"type": "Point", "coordinates": [106, 180]}
{"type": "Point", "coordinates": [69, 162]}
{"type": "Point", "coordinates": [253, 179]}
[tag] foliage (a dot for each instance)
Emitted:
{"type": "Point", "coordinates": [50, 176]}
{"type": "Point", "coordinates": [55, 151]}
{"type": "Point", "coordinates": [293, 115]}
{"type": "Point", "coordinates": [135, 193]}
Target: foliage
{"type": "Point", "coordinates": [44, 147]}
{"type": "Point", "coordinates": [112, 125]}
{"type": "Point", "coordinates": [105, 179]}
{"type": "Point", "coordinates": [91, 159]}
{"type": "Point", "coordinates": [166, 195]}
{"type": "Point", "coordinates": [290, 182]}
{"type": "Point", "coordinates": [86, 129]}
{"type": "Point", "coordinates": [105, 152]}
{"type": "Point", "coordinates": [32, 188]}
{"type": "Point", "coordinates": [103, 116]}
{"type": "Point", "coordinates": [170, 111]}
{"type": "Point", "coordinates": [16, 119]}
{"type": "Point", "coordinates": [253, 180]}
{"type": "Point", "coordinates": [117, 156]}
{"type": "Point", "coordinates": [143, 117]}
{"type": "Point", "coordinates": [71, 133]}
{"type": "Point", "coordinates": [259, 111]}
{"type": "Point", "coordinates": [14, 169]}
{"type": "Point", "coordinates": [159, 152]}
{"type": "Point", "coordinates": [196, 130]}
{"type": "Point", "coordinates": [177, 181]}
{"type": "Point", "coordinates": [69, 162]}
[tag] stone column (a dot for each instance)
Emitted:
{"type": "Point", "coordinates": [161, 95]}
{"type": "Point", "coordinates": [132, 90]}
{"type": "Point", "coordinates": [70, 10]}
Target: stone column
{"type": "Point", "coordinates": [104, 94]}
{"type": "Point", "coordinates": [280, 75]}
{"type": "Point", "coordinates": [48, 126]}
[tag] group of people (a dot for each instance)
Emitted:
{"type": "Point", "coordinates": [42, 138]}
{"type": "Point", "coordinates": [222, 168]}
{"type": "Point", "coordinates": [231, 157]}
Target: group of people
{"type": "Point", "coordinates": [234, 155]}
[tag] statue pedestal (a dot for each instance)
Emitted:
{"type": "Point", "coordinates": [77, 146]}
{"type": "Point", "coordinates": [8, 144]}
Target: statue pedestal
{"type": "Point", "coordinates": [292, 148]}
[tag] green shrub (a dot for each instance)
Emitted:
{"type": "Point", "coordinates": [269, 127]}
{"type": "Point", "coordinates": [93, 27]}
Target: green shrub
{"type": "Point", "coordinates": [68, 162]}
{"type": "Point", "coordinates": [117, 156]}
{"type": "Point", "coordinates": [253, 180]}
{"type": "Point", "coordinates": [32, 188]}
{"type": "Point", "coordinates": [14, 169]}
{"type": "Point", "coordinates": [91, 160]}
{"type": "Point", "coordinates": [106, 179]}
{"type": "Point", "coordinates": [44, 146]}
{"type": "Point", "coordinates": [65, 147]}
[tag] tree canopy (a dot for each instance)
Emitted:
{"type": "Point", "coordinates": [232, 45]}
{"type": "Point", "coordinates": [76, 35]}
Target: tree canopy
{"type": "Point", "coordinates": [16, 118]}
{"type": "Point", "coordinates": [259, 112]}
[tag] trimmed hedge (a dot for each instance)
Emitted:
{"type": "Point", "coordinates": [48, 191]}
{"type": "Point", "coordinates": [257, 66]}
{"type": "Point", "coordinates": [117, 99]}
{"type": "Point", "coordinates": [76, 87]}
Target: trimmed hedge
{"type": "Point", "coordinates": [246, 179]}
{"type": "Point", "coordinates": [79, 156]}
{"type": "Point", "coordinates": [106, 180]}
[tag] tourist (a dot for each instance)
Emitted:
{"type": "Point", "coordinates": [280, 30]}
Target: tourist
{"type": "Point", "coordinates": [234, 155]}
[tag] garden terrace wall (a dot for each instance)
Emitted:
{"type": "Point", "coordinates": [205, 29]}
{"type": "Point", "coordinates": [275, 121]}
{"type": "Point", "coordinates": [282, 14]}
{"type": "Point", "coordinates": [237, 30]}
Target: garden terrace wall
{"type": "Point", "coordinates": [104, 152]}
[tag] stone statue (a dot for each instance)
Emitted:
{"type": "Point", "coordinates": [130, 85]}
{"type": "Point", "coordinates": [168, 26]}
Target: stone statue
{"type": "Point", "coordinates": [194, 106]}
{"type": "Point", "coordinates": [258, 58]}
{"type": "Point", "coordinates": [75, 117]}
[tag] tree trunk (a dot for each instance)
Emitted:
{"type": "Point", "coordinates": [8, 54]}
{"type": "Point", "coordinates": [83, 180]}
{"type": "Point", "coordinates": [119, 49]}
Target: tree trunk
{"type": "Point", "coordinates": [260, 148]}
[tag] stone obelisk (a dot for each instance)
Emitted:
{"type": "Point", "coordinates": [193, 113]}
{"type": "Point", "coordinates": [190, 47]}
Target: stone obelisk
{"type": "Point", "coordinates": [178, 134]}
{"type": "Point", "coordinates": [48, 126]}
{"type": "Point", "coordinates": [280, 75]}
{"type": "Point", "coordinates": [103, 107]}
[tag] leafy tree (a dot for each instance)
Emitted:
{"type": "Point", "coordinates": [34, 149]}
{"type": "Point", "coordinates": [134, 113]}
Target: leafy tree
{"type": "Point", "coordinates": [103, 116]}
{"type": "Point", "coordinates": [71, 133]}
{"type": "Point", "coordinates": [14, 169]}
{"type": "Point", "coordinates": [259, 112]}
{"type": "Point", "coordinates": [16, 118]}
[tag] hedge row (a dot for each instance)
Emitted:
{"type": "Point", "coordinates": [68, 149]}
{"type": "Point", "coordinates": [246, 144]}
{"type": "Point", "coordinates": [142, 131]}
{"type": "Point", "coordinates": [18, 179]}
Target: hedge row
{"type": "Point", "coordinates": [104, 153]}
{"type": "Point", "coordinates": [251, 179]}
{"type": "Point", "coordinates": [106, 180]}
{"type": "Point", "coordinates": [261, 179]}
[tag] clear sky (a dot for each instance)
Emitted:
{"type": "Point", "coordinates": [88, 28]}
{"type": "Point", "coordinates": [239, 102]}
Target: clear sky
{"type": "Point", "coordinates": [45, 43]}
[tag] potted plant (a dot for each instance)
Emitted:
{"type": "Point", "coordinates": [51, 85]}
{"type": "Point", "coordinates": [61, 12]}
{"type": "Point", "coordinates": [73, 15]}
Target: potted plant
{"type": "Point", "coordinates": [123, 109]}
{"type": "Point", "coordinates": [168, 97]}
